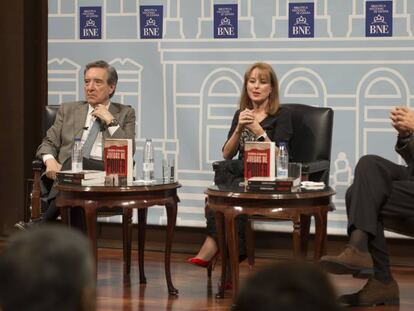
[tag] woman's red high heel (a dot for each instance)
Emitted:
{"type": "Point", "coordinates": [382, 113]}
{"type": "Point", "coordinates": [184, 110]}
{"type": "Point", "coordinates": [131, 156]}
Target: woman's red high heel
{"type": "Point", "coordinates": [204, 263]}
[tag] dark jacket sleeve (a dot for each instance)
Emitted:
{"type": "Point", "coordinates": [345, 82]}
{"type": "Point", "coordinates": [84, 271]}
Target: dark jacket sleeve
{"type": "Point", "coordinates": [406, 151]}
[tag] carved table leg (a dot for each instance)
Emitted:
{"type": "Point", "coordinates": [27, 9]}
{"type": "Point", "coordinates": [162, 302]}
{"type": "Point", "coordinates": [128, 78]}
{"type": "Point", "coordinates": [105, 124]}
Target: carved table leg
{"type": "Point", "coordinates": [250, 244]}
{"type": "Point", "coordinates": [171, 208]}
{"type": "Point", "coordinates": [296, 236]}
{"type": "Point", "coordinates": [64, 215]}
{"type": "Point", "coordinates": [142, 223]}
{"type": "Point", "coordinates": [90, 221]}
{"type": "Point", "coordinates": [223, 252]}
{"type": "Point", "coordinates": [304, 233]}
{"type": "Point", "coordinates": [127, 237]}
{"type": "Point", "coordinates": [320, 233]}
{"type": "Point", "coordinates": [232, 242]}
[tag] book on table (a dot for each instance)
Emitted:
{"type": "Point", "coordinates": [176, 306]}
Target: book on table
{"type": "Point", "coordinates": [290, 184]}
{"type": "Point", "coordinates": [275, 188]}
{"type": "Point", "coordinates": [81, 181]}
{"type": "Point", "coordinates": [85, 174]}
{"type": "Point", "coordinates": [118, 157]}
{"type": "Point", "coordinates": [259, 159]}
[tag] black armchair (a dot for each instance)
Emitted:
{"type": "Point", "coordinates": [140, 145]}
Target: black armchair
{"type": "Point", "coordinates": [398, 224]}
{"type": "Point", "coordinates": [38, 166]}
{"type": "Point", "coordinates": [311, 142]}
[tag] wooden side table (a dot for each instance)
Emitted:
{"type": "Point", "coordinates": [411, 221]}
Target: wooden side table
{"type": "Point", "coordinates": [230, 202]}
{"type": "Point", "coordinates": [141, 197]}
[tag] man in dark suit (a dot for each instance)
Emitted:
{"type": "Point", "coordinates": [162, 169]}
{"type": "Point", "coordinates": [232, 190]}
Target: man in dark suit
{"type": "Point", "coordinates": [379, 187]}
{"type": "Point", "coordinates": [76, 120]}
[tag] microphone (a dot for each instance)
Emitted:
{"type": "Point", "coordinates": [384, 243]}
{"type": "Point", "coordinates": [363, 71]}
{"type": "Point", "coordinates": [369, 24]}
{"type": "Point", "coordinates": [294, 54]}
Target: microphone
{"type": "Point", "coordinates": [85, 128]}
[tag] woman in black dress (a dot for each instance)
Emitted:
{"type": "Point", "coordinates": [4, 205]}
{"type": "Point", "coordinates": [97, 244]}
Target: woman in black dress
{"type": "Point", "coordinates": [259, 118]}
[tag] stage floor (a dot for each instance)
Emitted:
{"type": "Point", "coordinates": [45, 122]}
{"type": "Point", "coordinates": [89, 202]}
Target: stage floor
{"type": "Point", "coordinates": [196, 292]}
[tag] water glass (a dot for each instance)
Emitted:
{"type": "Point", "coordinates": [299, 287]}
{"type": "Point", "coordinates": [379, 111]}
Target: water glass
{"type": "Point", "coordinates": [295, 170]}
{"type": "Point", "coordinates": [168, 170]}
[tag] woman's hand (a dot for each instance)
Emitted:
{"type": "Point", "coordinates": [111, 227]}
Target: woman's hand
{"type": "Point", "coordinates": [253, 125]}
{"type": "Point", "coordinates": [246, 117]}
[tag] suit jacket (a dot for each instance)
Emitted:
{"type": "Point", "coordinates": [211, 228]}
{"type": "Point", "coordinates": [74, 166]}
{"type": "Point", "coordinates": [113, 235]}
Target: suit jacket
{"type": "Point", "coordinates": [70, 123]}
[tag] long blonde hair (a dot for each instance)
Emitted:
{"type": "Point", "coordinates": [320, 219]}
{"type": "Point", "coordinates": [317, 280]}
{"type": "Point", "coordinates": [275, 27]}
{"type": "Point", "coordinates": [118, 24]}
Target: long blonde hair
{"type": "Point", "coordinates": [267, 70]}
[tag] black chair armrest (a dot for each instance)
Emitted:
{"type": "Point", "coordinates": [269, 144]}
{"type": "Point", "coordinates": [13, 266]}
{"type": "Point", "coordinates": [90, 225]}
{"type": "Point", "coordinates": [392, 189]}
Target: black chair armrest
{"type": "Point", "coordinates": [216, 164]}
{"type": "Point", "coordinates": [37, 164]}
{"type": "Point", "coordinates": [316, 166]}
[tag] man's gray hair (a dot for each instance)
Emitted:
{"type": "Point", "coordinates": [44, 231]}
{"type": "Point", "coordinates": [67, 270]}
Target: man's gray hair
{"type": "Point", "coordinates": [112, 74]}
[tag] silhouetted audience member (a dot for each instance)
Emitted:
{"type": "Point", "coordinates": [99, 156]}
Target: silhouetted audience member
{"type": "Point", "coordinates": [49, 268]}
{"type": "Point", "coordinates": [288, 286]}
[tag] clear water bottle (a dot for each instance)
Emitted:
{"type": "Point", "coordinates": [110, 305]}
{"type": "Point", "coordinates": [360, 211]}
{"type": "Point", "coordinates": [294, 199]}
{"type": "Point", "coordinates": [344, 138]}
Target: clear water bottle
{"type": "Point", "coordinates": [148, 161]}
{"type": "Point", "coordinates": [282, 161]}
{"type": "Point", "coordinates": [77, 156]}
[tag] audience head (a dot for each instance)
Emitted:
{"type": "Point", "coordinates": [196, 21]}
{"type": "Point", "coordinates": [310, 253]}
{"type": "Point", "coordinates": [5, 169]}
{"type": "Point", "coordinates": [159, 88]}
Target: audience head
{"type": "Point", "coordinates": [266, 72]}
{"type": "Point", "coordinates": [48, 268]}
{"type": "Point", "coordinates": [111, 74]}
{"type": "Point", "coordinates": [288, 286]}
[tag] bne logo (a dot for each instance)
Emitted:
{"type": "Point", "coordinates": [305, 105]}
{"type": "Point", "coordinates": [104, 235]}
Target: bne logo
{"type": "Point", "coordinates": [301, 30]}
{"type": "Point", "coordinates": [225, 31]}
{"type": "Point", "coordinates": [90, 32]}
{"type": "Point", "coordinates": [379, 29]}
{"type": "Point", "coordinates": [151, 32]}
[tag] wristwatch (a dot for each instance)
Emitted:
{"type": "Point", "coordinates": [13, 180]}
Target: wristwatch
{"type": "Point", "coordinates": [262, 137]}
{"type": "Point", "coordinates": [114, 122]}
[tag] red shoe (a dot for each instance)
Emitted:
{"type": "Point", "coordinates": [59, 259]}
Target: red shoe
{"type": "Point", "coordinates": [204, 263]}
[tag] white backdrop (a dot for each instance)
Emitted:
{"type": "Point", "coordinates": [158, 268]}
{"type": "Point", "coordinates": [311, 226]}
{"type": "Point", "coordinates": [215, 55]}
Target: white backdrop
{"type": "Point", "coordinates": [185, 87]}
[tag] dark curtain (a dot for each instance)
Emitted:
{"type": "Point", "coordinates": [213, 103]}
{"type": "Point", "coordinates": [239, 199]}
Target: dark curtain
{"type": "Point", "coordinates": [23, 82]}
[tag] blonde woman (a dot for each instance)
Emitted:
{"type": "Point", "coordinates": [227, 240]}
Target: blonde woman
{"type": "Point", "coordinates": [259, 118]}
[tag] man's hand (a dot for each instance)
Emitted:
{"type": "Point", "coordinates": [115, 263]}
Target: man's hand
{"type": "Point", "coordinates": [100, 111]}
{"type": "Point", "coordinates": [52, 166]}
{"type": "Point", "coordinates": [402, 119]}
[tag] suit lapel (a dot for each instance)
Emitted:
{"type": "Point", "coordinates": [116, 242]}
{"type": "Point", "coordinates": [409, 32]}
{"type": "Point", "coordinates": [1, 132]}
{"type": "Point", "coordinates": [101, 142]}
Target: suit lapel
{"type": "Point", "coordinates": [80, 119]}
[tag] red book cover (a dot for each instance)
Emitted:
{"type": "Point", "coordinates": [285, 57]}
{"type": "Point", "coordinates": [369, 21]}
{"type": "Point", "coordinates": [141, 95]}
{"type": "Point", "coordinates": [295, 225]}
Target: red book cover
{"type": "Point", "coordinates": [116, 160]}
{"type": "Point", "coordinates": [118, 157]}
{"type": "Point", "coordinates": [259, 159]}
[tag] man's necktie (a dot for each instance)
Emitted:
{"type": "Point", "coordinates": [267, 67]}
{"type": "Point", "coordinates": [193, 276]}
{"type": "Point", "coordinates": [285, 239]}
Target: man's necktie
{"type": "Point", "coordinates": [90, 140]}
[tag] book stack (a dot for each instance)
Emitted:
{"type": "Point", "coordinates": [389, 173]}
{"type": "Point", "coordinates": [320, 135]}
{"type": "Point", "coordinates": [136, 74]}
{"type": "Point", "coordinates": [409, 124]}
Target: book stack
{"type": "Point", "coordinates": [118, 158]}
{"type": "Point", "coordinates": [289, 184]}
{"type": "Point", "coordinates": [259, 159]}
{"type": "Point", "coordinates": [82, 178]}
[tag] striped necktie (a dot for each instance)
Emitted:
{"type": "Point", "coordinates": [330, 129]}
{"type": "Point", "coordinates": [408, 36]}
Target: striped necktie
{"type": "Point", "coordinates": [90, 140]}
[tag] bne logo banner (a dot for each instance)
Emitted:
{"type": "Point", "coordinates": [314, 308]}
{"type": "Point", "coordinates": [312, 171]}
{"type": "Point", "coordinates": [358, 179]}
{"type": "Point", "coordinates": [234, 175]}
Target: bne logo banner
{"type": "Point", "coordinates": [301, 20]}
{"type": "Point", "coordinates": [225, 21]}
{"type": "Point", "coordinates": [90, 22]}
{"type": "Point", "coordinates": [378, 19]}
{"type": "Point", "coordinates": [151, 18]}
